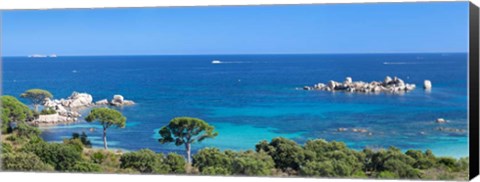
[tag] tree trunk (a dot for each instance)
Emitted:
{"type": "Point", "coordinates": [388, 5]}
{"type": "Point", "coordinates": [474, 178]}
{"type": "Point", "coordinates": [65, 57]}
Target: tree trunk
{"type": "Point", "coordinates": [187, 148]}
{"type": "Point", "coordinates": [36, 107]}
{"type": "Point", "coordinates": [105, 138]}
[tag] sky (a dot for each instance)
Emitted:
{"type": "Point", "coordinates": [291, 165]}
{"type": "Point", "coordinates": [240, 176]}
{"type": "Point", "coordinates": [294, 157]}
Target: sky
{"type": "Point", "coordinates": [285, 29]}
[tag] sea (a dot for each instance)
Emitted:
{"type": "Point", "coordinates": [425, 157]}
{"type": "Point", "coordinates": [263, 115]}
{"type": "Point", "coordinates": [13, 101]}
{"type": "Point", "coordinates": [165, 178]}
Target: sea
{"type": "Point", "coordinates": [250, 98]}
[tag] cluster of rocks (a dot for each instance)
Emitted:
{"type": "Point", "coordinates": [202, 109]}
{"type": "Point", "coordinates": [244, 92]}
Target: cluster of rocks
{"type": "Point", "coordinates": [76, 100]}
{"type": "Point", "coordinates": [393, 85]}
{"type": "Point", "coordinates": [67, 110]}
{"type": "Point", "coordinates": [117, 101]}
{"type": "Point", "coordinates": [355, 130]}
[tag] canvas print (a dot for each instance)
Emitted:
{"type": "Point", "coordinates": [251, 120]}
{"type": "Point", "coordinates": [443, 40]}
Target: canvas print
{"type": "Point", "coordinates": [368, 91]}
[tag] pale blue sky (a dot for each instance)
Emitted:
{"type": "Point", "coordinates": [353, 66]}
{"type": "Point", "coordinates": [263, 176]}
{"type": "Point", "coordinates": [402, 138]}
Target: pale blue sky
{"type": "Point", "coordinates": [339, 28]}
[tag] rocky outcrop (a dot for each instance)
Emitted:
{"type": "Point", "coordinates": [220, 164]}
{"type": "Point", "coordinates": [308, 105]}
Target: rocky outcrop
{"type": "Point", "coordinates": [80, 100]}
{"type": "Point", "coordinates": [66, 109]}
{"type": "Point", "coordinates": [388, 85]}
{"type": "Point", "coordinates": [427, 85]}
{"type": "Point", "coordinates": [441, 120]}
{"type": "Point", "coordinates": [76, 100]}
{"type": "Point", "coordinates": [102, 102]}
{"type": "Point", "coordinates": [118, 100]}
{"type": "Point", "coordinates": [54, 119]}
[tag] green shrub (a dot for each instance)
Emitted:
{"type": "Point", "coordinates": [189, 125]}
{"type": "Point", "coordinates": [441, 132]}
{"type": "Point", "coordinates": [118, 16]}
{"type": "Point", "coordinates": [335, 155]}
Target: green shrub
{"type": "Point", "coordinates": [6, 148]}
{"type": "Point", "coordinates": [212, 170]}
{"type": "Point", "coordinates": [109, 160]}
{"type": "Point", "coordinates": [212, 161]}
{"type": "Point", "coordinates": [83, 138]}
{"type": "Point", "coordinates": [61, 156]}
{"type": "Point", "coordinates": [323, 169]}
{"type": "Point", "coordinates": [13, 110]}
{"type": "Point", "coordinates": [359, 174]}
{"type": "Point", "coordinates": [47, 111]}
{"type": "Point", "coordinates": [462, 164]}
{"type": "Point", "coordinates": [75, 143]}
{"type": "Point", "coordinates": [387, 175]}
{"type": "Point", "coordinates": [145, 161]}
{"type": "Point", "coordinates": [447, 162]}
{"type": "Point", "coordinates": [346, 162]}
{"type": "Point", "coordinates": [86, 167]}
{"type": "Point", "coordinates": [176, 163]}
{"type": "Point", "coordinates": [286, 153]}
{"type": "Point", "coordinates": [401, 169]}
{"type": "Point", "coordinates": [98, 157]}
{"type": "Point", "coordinates": [253, 164]}
{"type": "Point", "coordinates": [21, 161]}
{"type": "Point", "coordinates": [422, 160]}
{"type": "Point", "coordinates": [26, 131]}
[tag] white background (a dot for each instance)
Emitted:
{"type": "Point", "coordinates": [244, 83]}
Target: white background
{"type": "Point", "coordinates": [64, 177]}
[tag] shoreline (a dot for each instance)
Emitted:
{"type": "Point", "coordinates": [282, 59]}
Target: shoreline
{"type": "Point", "coordinates": [98, 145]}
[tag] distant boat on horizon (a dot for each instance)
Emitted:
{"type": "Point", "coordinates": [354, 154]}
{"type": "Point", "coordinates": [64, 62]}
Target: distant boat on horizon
{"type": "Point", "coordinates": [216, 62]}
{"type": "Point", "coordinates": [42, 56]}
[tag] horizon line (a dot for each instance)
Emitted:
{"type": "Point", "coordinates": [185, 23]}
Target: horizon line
{"type": "Point", "coordinates": [226, 54]}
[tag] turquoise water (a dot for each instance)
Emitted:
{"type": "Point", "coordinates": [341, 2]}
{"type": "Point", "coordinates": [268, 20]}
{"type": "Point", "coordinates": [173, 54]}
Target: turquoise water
{"type": "Point", "coordinates": [254, 97]}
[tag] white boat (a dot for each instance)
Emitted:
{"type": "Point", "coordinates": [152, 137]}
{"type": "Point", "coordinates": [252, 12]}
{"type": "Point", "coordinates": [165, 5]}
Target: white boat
{"type": "Point", "coordinates": [37, 56]}
{"type": "Point", "coordinates": [216, 62]}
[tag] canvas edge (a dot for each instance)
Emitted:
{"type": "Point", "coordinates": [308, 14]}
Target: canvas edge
{"type": "Point", "coordinates": [473, 80]}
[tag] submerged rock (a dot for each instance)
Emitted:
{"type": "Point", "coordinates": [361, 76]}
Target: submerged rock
{"type": "Point", "coordinates": [360, 130]}
{"type": "Point", "coordinates": [307, 88]}
{"type": "Point", "coordinates": [355, 130]}
{"type": "Point", "coordinates": [453, 130]}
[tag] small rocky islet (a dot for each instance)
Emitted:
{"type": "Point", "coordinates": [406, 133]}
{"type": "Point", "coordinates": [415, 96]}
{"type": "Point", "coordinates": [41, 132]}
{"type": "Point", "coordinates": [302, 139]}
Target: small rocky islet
{"type": "Point", "coordinates": [390, 85]}
{"type": "Point", "coordinates": [67, 110]}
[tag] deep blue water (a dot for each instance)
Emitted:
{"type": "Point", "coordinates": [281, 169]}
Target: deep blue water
{"type": "Point", "coordinates": [253, 97]}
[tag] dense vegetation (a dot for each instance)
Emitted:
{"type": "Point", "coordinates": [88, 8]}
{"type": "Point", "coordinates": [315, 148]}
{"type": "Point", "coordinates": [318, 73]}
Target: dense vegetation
{"type": "Point", "coordinates": [13, 111]}
{"type": "Point", "coordinates": [24, 150]}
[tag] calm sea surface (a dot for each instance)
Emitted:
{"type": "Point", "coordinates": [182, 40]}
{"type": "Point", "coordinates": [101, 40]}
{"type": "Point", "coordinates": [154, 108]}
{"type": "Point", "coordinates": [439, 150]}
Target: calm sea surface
{"type": "Point", "coordinates": [250, 98]}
